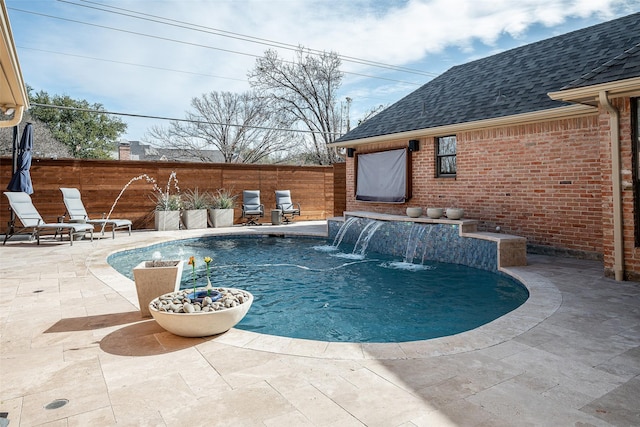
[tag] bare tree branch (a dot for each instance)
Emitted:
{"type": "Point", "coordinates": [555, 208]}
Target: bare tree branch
{"type": "Point", "coordinates": [306, 89]}
{"type": "Point", "coordinates": [242, 127]}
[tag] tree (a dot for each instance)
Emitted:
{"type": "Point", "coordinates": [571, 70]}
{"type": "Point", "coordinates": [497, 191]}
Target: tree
{"type": "Point", "coordinates": [87, 134]}
{"type": "Point", "coordinates": [44, 144]}
{"type": "Point", "coordinates": [370, 113]}
{"type": "Point", "coordinates": [241, 126]}
{"type": "Point", "coordinates": [306, 89]}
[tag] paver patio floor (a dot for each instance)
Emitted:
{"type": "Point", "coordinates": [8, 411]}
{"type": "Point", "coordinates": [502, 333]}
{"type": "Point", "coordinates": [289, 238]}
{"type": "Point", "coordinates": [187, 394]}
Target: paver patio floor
{"type": "Point", "coordinates": [70, 329]}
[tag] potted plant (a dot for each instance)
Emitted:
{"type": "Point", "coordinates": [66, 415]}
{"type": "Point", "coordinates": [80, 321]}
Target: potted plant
{"type": "Point", "coordinates": [221, 209]}
{"type": "Point", "coordinates": [167, 213]}
{"type": "Point", "coordinates": [195, 206]}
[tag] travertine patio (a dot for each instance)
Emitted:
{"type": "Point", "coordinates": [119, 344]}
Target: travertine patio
{"type": "Point", "coordinates": [569, 356]}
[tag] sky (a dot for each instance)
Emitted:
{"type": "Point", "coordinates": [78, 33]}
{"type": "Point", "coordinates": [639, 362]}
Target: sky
{"type": "Point", "coordinates": [152, 57]}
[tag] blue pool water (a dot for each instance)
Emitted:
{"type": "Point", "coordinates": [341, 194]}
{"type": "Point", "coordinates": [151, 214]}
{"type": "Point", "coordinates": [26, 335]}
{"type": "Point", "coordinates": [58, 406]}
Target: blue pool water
{"type": "Point", "coordinates": [304, 288]}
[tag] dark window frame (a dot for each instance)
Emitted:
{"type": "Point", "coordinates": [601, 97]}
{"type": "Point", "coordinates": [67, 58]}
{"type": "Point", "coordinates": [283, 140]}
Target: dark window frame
{"type": "Point", "coordinates": [439, 157]}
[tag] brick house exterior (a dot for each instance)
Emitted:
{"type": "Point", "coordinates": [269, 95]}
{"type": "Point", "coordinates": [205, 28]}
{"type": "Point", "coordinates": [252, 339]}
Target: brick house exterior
{"type": "Point", "coordinates": [534, 129]}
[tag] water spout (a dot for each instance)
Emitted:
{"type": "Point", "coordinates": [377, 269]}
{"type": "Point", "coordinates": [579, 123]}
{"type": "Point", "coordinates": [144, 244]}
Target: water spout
{"type": "Point", "coordinates": [365, 236]}
{"type": "Point", "coordinates": [343, 230]}
{"type": "Point", "coordinates": [416, 235]}
{"type": "Point", "coordinates": [132, 180]}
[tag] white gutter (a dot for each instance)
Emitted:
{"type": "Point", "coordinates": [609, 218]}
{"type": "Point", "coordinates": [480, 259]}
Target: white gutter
{"type": "Point", "coordinates": [13, 92]}
{"type": "Point", "coordinates": [618, 236]}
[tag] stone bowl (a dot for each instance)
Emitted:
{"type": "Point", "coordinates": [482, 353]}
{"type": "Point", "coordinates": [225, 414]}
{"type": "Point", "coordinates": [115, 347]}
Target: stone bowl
{"type": "Point", "coordinates": [435, 213]}
{"type": "Point", "coordinates": [201, 323]}
{"type": "Point", "coordinates": [455, 213]}
{"type": "Point", "coordinates": [414, 212]}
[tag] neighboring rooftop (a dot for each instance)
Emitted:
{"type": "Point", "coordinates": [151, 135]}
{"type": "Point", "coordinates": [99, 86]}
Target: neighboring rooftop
{"type": "Point", "coordinates": [147, 152]}
{"type": "Point", "coordinates": [514, 82]}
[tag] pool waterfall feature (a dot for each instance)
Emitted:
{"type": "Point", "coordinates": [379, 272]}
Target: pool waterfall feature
{"type": "Point", "coordinates": [425, 239]}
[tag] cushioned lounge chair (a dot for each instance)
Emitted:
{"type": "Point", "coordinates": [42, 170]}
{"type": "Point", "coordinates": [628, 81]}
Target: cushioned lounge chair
{"type": "Point", "coordinates": [77, 212]}
{"type": "Point", "coordinates": [33, 223]}
{"type": "Point", "coordinates": [288, 208]}
{"type": "Point", "coordinates": [251, 206]}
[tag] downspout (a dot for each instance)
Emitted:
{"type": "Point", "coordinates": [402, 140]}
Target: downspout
{"type": "Point", "coordinates": [618, 237]}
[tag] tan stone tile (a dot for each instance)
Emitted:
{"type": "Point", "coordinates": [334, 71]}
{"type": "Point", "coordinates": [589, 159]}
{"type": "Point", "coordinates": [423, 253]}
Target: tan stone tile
{"type": "Point", "coordinates": [269, 343]}
{"type": "Point", "coordinates": [13, 407]}
{"type": "Point", "coordinates": [164, 393]}
{"type": "Point", "coordinates": [81, 383]}
{"type": "Point", "coordinates": [247, 406]}
{"type": "Point", "coordinates": [290, 419]}
{"type": "Point", "coordinates": [99, 417]}
{"type": "Point", "coordinates": [317, 408]}
{"type": "Point", "coordinates": [383, 351]}
{"type": "Point", "coordinates": [310, 348]}
{"type": "Point", "coordinates": [343, 350]}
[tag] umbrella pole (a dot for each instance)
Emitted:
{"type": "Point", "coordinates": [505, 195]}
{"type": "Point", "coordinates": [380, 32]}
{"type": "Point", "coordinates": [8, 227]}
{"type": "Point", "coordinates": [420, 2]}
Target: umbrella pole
{"type": "Point", "coordinates": [14, 167]}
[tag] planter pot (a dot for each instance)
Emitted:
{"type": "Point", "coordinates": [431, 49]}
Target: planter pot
{"type": "Point", "coordinates": [167, 220]}
{"type": "Point", "coordinates": [414, 212]}
{"type": "Point", "coordinates": [154, 278]}
{"type": "Point", "coordinates": [455, 213]}
{"type": "Point", "coordinates": [435, 213]}
{"type": "Point", "coordinates": [200, 323]}
{"type": "Point", "coordinates": [221, 217]}
{"type": "Point", "coordinates": [196, 218]}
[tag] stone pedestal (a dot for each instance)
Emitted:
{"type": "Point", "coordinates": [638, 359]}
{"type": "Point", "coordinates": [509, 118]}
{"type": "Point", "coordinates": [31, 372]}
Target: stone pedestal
{"type": "Point", "coordinates": [155, 278]}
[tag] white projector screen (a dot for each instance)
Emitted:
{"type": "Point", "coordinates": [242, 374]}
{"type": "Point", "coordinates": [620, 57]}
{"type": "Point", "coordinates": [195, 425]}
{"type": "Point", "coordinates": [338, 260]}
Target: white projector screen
{"type": "Point", "coordinates": [382, 176]}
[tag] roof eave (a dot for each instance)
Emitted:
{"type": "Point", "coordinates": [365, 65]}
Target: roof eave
{"type": "Point", "coordinates": [517, 119]}
{"type": "Point", "coordinates": [13, 92]}
{"type": "Point", "coordinates": [589, 94]}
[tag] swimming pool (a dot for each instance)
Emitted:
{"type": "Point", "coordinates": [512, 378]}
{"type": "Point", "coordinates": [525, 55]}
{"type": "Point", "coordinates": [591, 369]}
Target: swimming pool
{"type": "Point", "coordinates": [304, 288]}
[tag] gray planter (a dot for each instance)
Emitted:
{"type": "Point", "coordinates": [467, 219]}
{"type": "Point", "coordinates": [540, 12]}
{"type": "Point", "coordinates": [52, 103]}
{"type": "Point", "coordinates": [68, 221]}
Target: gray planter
{"type": "Point", "coordinates": [196, 218]}
{"type": "Point", "coordinates": [221, 217]}
{"type": "Point", "coordinates": [155, 278]}
{"type": "Point", "coordinates": [167, 220]}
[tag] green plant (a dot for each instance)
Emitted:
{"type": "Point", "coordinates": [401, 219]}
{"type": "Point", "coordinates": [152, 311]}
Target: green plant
{"type": "Point", "coordinates": [194, 199]}
{"type": "Point", "coordinates": [167, 202]}
{"type": "Point", "coordinates": [223, 199]}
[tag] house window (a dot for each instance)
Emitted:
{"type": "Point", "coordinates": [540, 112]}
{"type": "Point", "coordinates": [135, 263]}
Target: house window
{"type": "Point", "coordinates": [446, 156]}
{"type": "Point", "coordinates": [635, 135]}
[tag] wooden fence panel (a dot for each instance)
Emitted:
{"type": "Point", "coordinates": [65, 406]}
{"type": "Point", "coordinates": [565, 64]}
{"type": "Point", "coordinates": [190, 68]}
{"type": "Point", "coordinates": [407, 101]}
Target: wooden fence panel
{"type": "Point", "coordinates": [316, 188]}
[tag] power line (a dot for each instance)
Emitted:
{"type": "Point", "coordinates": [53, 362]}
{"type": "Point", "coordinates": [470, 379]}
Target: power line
{"type": "Point", "coordinates": [200, 122]}
{"type": "Point", "coordinates": [187, 43]}
{"type": "Point", "coordinates": [238, 36]}
{"type": "Point", "coordinates": [130, 63]}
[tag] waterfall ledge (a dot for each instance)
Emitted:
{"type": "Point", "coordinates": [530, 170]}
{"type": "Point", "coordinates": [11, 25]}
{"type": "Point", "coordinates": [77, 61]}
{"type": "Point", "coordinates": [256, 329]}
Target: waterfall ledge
{"type": "Point", "coordinates": [445, 240]}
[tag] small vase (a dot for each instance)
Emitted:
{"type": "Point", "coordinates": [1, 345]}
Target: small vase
{"type": "Point", "coordinates": [414, 212]}
{"type": "Point", "coordinates": [435, 213]}
{"type": "Point", "coordinates": [201, 294]}
{"type": "Point", "coordinates": [455, 213]}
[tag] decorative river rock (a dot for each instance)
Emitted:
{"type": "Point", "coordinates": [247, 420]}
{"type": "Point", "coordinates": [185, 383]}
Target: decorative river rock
{"type": "Point", "coordinates": [180, 315]}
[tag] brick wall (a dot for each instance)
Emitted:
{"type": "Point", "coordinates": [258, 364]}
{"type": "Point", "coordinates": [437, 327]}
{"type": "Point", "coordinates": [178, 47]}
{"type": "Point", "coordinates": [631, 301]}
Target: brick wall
{"type": "Point", "coordinates": [100, 183]}
{"type": "Point", "coordinates": [631, 253]}
{"type": "Point", "coordinates": [541, 181]}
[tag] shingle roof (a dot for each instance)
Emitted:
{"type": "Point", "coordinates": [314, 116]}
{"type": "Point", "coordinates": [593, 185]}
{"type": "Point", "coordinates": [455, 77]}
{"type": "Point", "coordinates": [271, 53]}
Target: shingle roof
{"type": "Point", "coordinates": [513, 82]}
{"type": "Point", "coordinates": [624, 66]}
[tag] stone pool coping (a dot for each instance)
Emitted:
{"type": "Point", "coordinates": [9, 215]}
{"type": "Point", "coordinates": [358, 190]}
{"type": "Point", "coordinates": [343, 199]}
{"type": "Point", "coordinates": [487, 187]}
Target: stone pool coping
{"type": "Point", "coordinates": [544, 299]}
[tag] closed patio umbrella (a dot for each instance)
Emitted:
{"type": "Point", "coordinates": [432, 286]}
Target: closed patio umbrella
{"type": "Point", "coordinates": [21, 179]}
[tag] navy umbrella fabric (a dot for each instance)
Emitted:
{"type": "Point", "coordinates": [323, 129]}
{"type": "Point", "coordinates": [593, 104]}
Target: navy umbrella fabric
{"type": "Point", "coordinates": [21, 179]}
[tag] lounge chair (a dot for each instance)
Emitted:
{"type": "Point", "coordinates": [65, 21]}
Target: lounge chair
{"type": "Point", "coordinates": [31, 220]}
{"type": "Point", "coordinates": [77, 213]}
{"type": "Point", "coordinates": [251, 206]}
{"type": "Point", "coordinates": [288, 208]}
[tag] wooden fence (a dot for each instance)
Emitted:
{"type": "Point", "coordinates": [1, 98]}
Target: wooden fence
{"type": "Point", "coordinates": [319, 189]}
